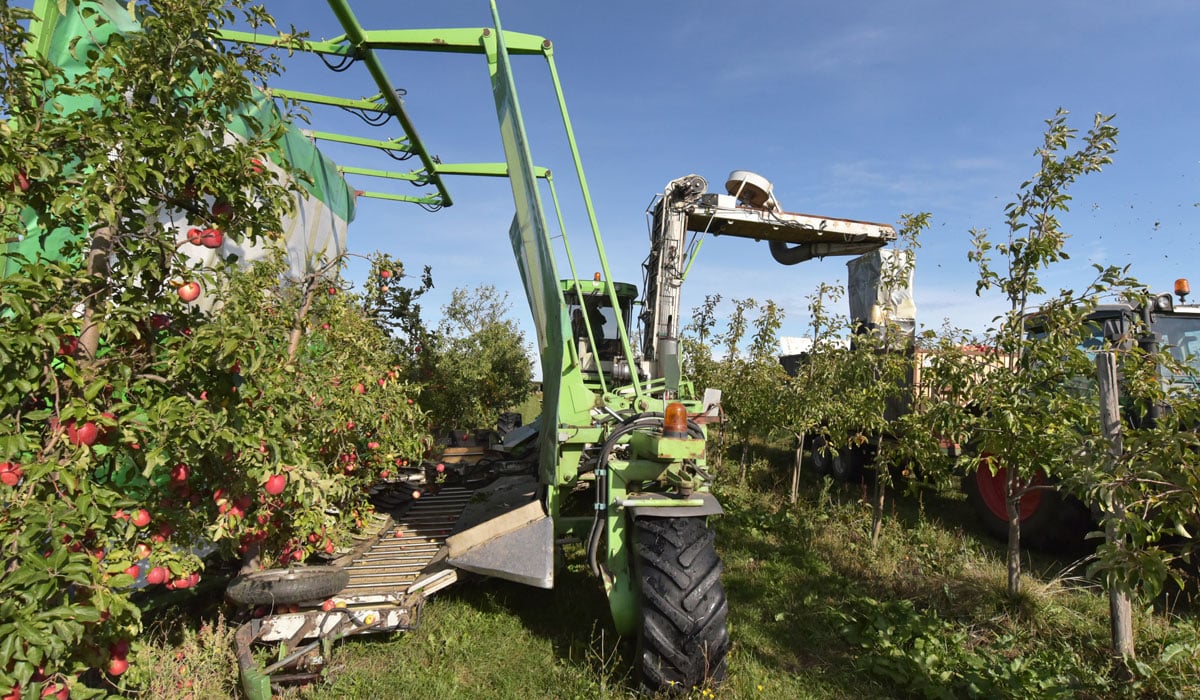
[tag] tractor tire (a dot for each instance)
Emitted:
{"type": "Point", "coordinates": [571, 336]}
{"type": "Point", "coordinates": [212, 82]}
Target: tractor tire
{"type": "Point", "coordinates": [822, 458]}
{"type": "Point", "coordinates": [285, 586]}
{"type": "Point", "coordinates": [1050, 520]}
{"type": "Point", "coordinates": [847, 464]}
{"type": "Point", "coordinates": [682, 637]}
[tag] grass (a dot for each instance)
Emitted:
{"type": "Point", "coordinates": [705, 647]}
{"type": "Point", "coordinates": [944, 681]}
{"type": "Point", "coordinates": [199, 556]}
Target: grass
{"type": "Point", "coordinates": [815, 612]}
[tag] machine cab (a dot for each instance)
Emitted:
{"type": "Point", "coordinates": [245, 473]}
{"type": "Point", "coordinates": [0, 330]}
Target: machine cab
{"type": "Point", "coordinates": [594, 324]}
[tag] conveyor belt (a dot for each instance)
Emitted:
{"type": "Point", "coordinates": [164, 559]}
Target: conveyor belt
{"type": "Point", "coordinates": [412, 547]}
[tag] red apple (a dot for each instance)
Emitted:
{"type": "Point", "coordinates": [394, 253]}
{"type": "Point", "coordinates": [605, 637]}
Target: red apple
{"type": "Point", "coordinates": [117, 666]}
{"type": "Point", "coordinates": [332, 291]}
{"type": "Point", "coordinates": [222, 210]}
{"type": "Point", "coordinates": [133, 570]}
{"type": "Point", "coordinates": [159, 321]}
{"type": "Point", "coordinates": [119, 649]}
{"type": "Point", "coordinates": [85, 434]}
{"type": "Point", "coordinates": [275, 484]}
{"type": "Point", "coordinates": [180, 473]}
{"type": "Point", "coordinates": [328, 605]}
{"type": "Point", "coordinates": [194, 235]}
{"type": "Point", "coordinates": [189, 292]}
{"type": "Point", "coordinates": [14, 694]}
{"type": "Point", "coordinates": [58, 691]}
{"type": "Point", "coordinates": [21, 182]}
{"type": "Point", "coordinates": [157, 575]}
{"type": "Point", "coordinates": [384, 288]}
{"type": "Point", "coordinates": [360, 388]}
{"type": "Point", "coordinates": [68, 344]}
{"type": "Point", "coordinates": [10, 473]}
{"type": "Point", "coordinates": [256, 166]}
{"type": "Point", "coordinates": [212, 238]}
{"type": "Point", "coordinates": [141, 518]}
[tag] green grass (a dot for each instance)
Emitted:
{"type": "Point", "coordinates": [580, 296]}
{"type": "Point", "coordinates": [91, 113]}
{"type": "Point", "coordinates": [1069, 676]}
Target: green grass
{"type": "Point", "coordinates": [815, 612]}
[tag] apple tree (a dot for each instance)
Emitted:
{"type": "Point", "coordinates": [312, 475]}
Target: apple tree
{"type": "Point", "coordinates": [477, 362]}
{"type": "Point", "coordinates": [154, 408]}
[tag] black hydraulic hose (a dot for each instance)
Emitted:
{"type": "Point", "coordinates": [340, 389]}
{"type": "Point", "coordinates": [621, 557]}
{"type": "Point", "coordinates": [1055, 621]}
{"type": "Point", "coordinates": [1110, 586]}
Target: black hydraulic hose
{"type": "Point", "coordinates": [629, 425]}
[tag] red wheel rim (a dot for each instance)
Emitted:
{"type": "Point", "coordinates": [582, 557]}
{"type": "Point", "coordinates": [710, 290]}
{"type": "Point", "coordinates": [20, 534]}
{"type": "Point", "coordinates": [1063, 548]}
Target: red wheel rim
{"type": "Point", "coordinates": [992, 488]}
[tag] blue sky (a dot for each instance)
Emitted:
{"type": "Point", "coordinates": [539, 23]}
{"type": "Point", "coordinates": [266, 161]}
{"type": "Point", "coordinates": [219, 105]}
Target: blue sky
{"type": "Point", "coordinates": [857, 109]}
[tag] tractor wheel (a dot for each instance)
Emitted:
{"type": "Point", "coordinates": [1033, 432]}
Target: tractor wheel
{"type": "Point", "coordinates": [847, 464]}
{"type": "Point", "coordinates": [822, 458]}
{"type": "Point", "coordinates": [1050, 520]}
{"type": "Point", "coordinates": [285, 586]}
{"type": "Point", "coordinates": [682, 638]}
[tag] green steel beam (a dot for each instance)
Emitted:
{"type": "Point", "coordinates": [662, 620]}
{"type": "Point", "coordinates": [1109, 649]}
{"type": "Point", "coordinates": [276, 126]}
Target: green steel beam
{"type": "Point", "coordinates": [369, 105]}
{"type": "Point", "coordinates": [45, 18]}
{"type": "Point", "coordinates": [429, 200]}
{"type": "Point", "coordinates": [335, 47]}
{"type": "Point", "coordinates": [456, 40]}
{"type": "Point", "coordinates": [626, 346]}
{"type": "Point", "coordinates": [358, 37]}
{"type": "Point", "coordinates": [484, 169]}
{"type": "Point", "coordinates": [389, 145]}
{"type": "Point", "coordinates": [466, 40]}
{"type": "Point", "coordinates": [417, 176]}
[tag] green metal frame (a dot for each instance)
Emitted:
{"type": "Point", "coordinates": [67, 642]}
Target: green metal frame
{"type": "Point", "coordinates": [575, 406]}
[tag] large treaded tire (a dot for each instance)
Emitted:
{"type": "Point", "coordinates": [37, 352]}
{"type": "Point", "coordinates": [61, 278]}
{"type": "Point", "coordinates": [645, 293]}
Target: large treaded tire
{"type": "Point", "coordinates": [682, 636]}
{"type": "Point", "coordinates": [285, 586]}
{"type": "Point", "coordinates": [1050, 520]}
{"type": "Point", "coordinates": [822, 458]}
{"type": "Point", "coordinates": [847, 465]}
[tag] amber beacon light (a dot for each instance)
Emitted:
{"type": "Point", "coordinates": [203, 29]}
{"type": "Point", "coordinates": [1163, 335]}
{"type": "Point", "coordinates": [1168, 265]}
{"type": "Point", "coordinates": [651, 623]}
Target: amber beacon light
{"type": "Point", "coordinates": [675, 421]}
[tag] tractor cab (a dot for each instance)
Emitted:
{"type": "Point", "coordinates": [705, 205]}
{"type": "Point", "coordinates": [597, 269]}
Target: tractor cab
{"type": "Point", "coordinates": [595, 336]}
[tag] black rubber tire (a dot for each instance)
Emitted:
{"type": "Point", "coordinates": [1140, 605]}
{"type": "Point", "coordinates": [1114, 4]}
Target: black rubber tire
{"type": "Point", "coordinates": [822, 458]}
{"type": "Point", "coordinates": [682, 636]}
{"type": "Point", "coordinates": [847, 464]}
{"type": "Point", "coordinates": [285, 586]}
{"type": "Point", "coordinates": [1058, 524]}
